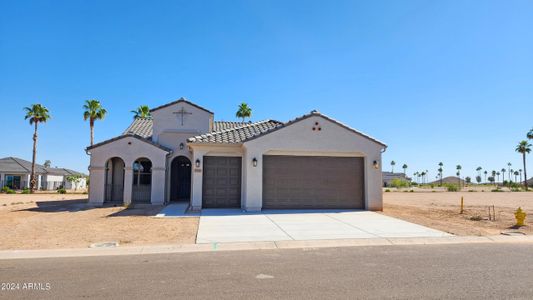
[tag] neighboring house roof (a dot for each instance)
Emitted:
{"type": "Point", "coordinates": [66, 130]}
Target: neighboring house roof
{"type": "Point", "coordinates": [236, 135]}
{"type": "Point", "coordinates": [17, 166]}
{"type": "Point", "coordinates": [316, 113]}
{"type": "Point", "coordinates": [146, 140]}
{"type": "Point", "coordinates": [180, 100]}
{"type": "Point", "coordinates": [225, 125]}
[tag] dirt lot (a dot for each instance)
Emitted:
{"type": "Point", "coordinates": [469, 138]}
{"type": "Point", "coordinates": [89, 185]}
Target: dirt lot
{"type": "Point", "coordinates": [47, 221]}
{"type": "Point", "coordinates": [440, 210]}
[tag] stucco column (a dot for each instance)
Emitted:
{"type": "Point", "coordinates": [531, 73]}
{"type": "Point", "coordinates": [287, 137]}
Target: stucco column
{"type": "Point", "coordinates": [28, 179]}
{"type": "Point", "coordinates": [253, 181]}
{"type": "Point", "coordinates": [196, 180]}
{"type": "Point", "coordinates": [2, 180]}
{"type": "Point", "coordinates": [128, 184]}
{"type": "Point", "coordinates": [97, 190]}
{"type": "Point", "coordinates": [158, 186]}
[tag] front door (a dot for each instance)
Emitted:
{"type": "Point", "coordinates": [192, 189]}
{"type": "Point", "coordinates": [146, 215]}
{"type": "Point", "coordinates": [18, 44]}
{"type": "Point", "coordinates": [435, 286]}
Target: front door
{"type": "Point", "coordinates": [180, 186]}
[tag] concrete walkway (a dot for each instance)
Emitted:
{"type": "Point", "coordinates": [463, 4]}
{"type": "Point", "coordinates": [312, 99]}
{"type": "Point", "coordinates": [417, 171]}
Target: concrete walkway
{"type": "Point", "coordinates": [233, 225]}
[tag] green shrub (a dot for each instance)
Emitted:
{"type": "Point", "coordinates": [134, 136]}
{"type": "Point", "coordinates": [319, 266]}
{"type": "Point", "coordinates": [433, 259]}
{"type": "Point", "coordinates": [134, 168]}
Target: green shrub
{"type": "Point", "coordinates": [411, 191]}
{"type": "Point", "coordinates": [497, 190]}
{"type": "Point", "coordinates": [61, 191]}
{"type": "Point", "coordinates": [399, 183]}
{"type": "Point", "coordinates": [7, 190]}
{"type": "Point", "coordinates": [26, 190]}
{"type": "Point", "coordinates": [452, 187]}
{"type": "Point", "coordinates": [387, 191]}
{"type": "Point", "coordinates": [471, 191]}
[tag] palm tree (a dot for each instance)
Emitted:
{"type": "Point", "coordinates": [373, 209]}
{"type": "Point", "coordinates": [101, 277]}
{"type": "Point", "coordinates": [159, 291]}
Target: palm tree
{"type": "Point", "coordinates": [485, 175]}
{"type": "Point", "coordinates": [520, 171]}
{"type": "Point", "coordinates": [493, 173]}
{"type": "Point", "coordinates": [530, 134]}
{"type": "Point", "coordinates": [479, 170]}
{"type": "Point", "coordinates": [93, 111]}
{"type": "Point", "coordinates": [503, 174]}
{"type": "Point", "coordinates": [142, 111]}
{"type": "Point", "coordinates": [525, 148]}
{"type": "Point", "coordinates": [404, 167]}
{"type": "Point", "coordinates": [510, 171]}
{"type": "Point", "coordinates": [498, 174]}
{"type": "Point", "coordinates": [47, 163]}
{"type": "Point", "coordinates": [244, 112]}
{"type": "Point", "coordinates": [458, 167]}
{"type": "Point", "coordinates": [392, 163]}
{"type": "Point", "coordinates": [440, 171]}
{"type": "Point", "coordinates": [36, 113]}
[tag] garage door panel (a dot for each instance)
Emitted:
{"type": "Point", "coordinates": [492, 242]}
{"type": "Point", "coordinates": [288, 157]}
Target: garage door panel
{"type": "Point", "coordinates": [313, 182]}
{"type": "Point", "coordinates": [221, 182]}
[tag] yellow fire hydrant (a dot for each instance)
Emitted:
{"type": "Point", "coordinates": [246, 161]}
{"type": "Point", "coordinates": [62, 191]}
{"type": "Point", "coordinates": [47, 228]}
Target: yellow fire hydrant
{"type": "Point", "coordinates": [520, 216]}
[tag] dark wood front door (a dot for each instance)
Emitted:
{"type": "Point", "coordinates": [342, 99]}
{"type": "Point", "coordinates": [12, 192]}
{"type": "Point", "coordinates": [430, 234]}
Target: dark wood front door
{"type": "Point", "coordinates": [221, 187]}
{"type": "Point", "coordinates": [180, 179]}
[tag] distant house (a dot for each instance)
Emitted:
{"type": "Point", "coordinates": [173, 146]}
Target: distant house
{"type": "Point", "coordinates": [388, 177]}
{"type": "Point", "coordinates": [449, 180]}
{"type": "Point", "coordinates": [15, 174]}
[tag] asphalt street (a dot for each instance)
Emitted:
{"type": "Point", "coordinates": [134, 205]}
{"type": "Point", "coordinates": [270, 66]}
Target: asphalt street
{"type": "Point", "coordinates": [473, 271]}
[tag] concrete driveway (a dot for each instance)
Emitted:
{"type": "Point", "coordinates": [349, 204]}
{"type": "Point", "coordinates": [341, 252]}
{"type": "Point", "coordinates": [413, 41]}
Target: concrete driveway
{"type": "Point", "coordinates": [228, 225]}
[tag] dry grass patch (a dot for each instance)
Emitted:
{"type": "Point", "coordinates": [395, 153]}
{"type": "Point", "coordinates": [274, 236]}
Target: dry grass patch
{"type": "Point", "coordinates": [64, 221]}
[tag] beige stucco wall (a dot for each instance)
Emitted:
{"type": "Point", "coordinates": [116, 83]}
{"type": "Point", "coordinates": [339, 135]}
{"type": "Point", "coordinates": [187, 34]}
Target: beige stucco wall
{"type": "Point", "coordinates": [128, 149]}
{"type": "Point", "coordinates": [167, 128]}
{"type": "Point", "coordinates": [300, 139]}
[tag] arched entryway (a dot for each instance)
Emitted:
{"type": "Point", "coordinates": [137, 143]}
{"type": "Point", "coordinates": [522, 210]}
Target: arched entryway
{"type": "Point", "coordinates": [114, 180]}
{"type": "Point", "coordinates": [141, 191]}
{"type": "Point", "coordinates": [180, 179]}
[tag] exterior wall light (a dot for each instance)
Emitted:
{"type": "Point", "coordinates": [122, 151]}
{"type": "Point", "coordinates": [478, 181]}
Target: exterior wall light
{"type": "Point", "coordinates": [182, 146]}
{"type": "Point", "coordinates": [376, 164]}
{"type": "Point", "coordinates": [254, 162]}
{"type": "Point", "coordinates": [197, 163]}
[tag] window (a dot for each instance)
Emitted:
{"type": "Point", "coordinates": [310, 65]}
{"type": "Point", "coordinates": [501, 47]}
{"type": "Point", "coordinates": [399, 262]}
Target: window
{"type": "Point", "coordinates": [142, 172]}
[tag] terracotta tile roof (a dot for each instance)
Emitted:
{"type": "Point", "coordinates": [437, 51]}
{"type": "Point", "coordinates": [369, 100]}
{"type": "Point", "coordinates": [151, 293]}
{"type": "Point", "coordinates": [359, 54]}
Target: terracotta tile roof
{"type": "Point", "coordinates": [141, 127]}
{"type": "Point", "coordinates": [237, 134]}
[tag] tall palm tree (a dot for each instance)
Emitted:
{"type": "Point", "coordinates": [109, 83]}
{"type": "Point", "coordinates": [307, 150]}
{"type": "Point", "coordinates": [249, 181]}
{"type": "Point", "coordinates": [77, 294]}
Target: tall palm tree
{"type": "Point", "coordinates": [36, 113]}
{"type": "Point", "coordinates": [510, 171]}
{"type": "Point", "coordinates": [498, 174]}
{"type": "Point", "coordinates": [524, 147]}
{"type": "Point", "coordinates": [404, 167]}
{"type": "Point", "coordinates": [93, 111]}
{"type": "Point", "coordinates": [392, 163]}
{"type": "Point", "coordinates": [479, 170]}
{"type": "Point", "coordinates": [142, 111]}
{"type": "Point", "coordinates": [485, 175]}
{"type": "Point", "coordinates": [440, 171]}
{"type": "Point", "coordinates": [493, 173]}
{"type": "Point", "coordinates": [459, 168]}
{"type": "Point", "coordinates": [503, 174]}
{"type": "Point", "coordinates": [244, 111]}
{"type": "Point", "coordinates": [530, 134]}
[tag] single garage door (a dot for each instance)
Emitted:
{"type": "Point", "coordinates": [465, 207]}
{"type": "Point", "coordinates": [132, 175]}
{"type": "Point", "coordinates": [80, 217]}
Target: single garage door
{"type": "Point", "coordinates": [221, 182]}
{"type": "Point", "coordinates": [313, 182]}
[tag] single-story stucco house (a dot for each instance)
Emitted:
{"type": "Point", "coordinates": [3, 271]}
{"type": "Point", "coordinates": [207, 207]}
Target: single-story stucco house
{"type": "Point", "coordinates": [182, 154]}
{"type": "Point", "coordinates": [388, 177]}
{"type": "Point", "coordinates": [15, 174]}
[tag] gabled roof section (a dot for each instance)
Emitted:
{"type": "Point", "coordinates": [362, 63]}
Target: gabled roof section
{"type": "Point", "coordinates": [181, 100]}
{"type": "Point", "coordinates": [141, 126]}
{"type": "Point", "coordinates": [144, 127]}
{"type": "Point", "coordinates": [236, 135]}
{"type": "Point", "coordinates": [316, 113]}
{"type": "Point", "coordinates": [63, 172]}
{"type": "Point", "coordinates": [149, 141]}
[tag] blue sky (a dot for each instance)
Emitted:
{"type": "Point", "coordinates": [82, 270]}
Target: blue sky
{"type": "Point", "coordinates": [448, 81]}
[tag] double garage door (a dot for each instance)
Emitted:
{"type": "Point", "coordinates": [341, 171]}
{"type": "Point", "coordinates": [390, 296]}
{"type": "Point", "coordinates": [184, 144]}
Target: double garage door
{"type": "Point", "coordinates": [289, 182]}
{"type": "Point", "coordinates": [301, 182]}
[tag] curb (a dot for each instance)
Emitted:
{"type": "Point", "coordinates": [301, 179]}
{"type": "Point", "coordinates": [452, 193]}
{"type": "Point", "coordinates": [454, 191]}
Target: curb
{"type": "Point", "coordinates": [241, 246]}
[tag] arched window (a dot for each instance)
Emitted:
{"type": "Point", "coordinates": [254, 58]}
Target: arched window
{"type": "Point", "coordinates": [142, 172]}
